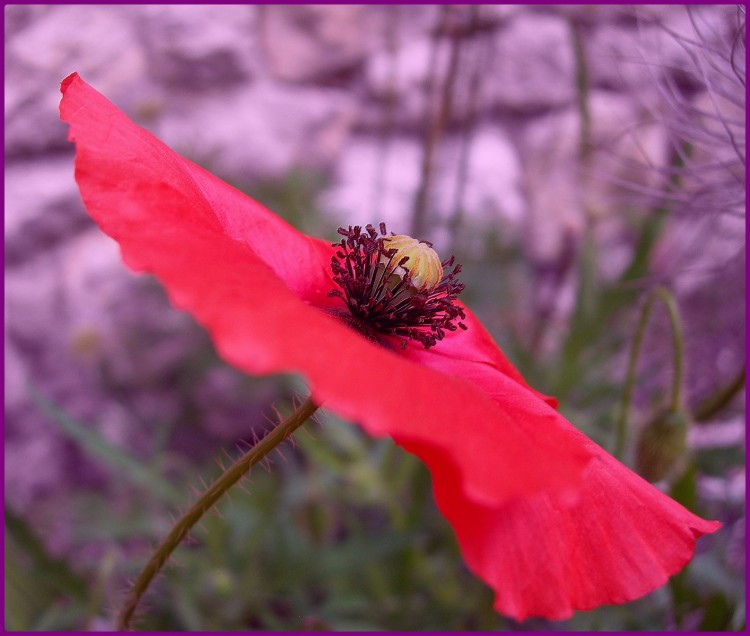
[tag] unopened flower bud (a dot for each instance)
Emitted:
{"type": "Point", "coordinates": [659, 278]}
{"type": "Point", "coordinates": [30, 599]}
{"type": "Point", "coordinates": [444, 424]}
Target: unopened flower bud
{"type": "Point", "coordinates": [661, 444]}
{"type": "Point", "coordinates": [423, 263]}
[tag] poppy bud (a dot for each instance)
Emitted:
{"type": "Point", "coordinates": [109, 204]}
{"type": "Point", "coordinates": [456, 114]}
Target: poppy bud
{"type": "Point", "coordinates": [423, 262]}
{"type": "Point", "coordinates": [661, 444]}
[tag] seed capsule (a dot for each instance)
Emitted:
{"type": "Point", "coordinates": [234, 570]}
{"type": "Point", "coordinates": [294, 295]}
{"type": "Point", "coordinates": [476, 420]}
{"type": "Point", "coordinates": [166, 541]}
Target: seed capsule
{"type": "Point", "coordinates": [423, 262]}
{"type": "Point", "coordinates": [661, 445]}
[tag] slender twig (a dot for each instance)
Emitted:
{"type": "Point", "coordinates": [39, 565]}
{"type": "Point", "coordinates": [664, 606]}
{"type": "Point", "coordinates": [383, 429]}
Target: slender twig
{"type": "Point", "coordinates": [388, 124]}
{"type": "Point", "coordinates": [468, 133]}
{"type": "Point", "coordinates": [551, 277]}
{"type": "Point", "coordinates": [706, 409]}
{"type": "Point", "coordinates": [583, 91]}
{"type": "Point", "coordinates": [206, 501]}
{"type": "Point", "coordinates": [675, 402]}
{"type": "Point", "coordinates": [439, 123]}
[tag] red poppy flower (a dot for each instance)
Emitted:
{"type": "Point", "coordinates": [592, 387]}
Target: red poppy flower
{"type": "Point", "coordinates": [542, 514]}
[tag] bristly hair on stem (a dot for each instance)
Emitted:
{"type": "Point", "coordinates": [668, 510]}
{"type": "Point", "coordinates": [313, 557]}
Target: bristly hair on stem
{"type": "Point", "coordinates": [205, 502]}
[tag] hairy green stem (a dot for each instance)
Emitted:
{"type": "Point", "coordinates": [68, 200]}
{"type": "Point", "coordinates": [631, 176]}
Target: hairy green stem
{"type": "Point", "coordinates": [206, 501]}
{"type": "Point", "coordinates": [675, 402]}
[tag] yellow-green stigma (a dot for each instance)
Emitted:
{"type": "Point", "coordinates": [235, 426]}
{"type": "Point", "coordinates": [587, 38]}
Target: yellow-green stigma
{"type": "Point", "coordinates": [396, 285]}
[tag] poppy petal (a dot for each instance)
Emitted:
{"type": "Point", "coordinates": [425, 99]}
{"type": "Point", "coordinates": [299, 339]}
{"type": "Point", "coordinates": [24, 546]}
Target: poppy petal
{"type": "Point", "coordinates": [620, 540]}
{"type": "Point", "coordinates": [223, 258]}
{"type": "Point", "coordinates": [507, 468]}
{"type": "Point", "coordinates": [475, 344]}
{"type": "Point", "coordinates": [519, 406]}
{"type": "Point", "coordinates": [132, 169]}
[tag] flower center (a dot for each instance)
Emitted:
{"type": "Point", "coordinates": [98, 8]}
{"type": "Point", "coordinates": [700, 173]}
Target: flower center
{"type": "Point", "coordinates": [396, 285]}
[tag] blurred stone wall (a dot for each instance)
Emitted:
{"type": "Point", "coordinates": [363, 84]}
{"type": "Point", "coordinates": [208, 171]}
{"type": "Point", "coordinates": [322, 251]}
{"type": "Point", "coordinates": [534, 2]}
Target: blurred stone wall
{"type": "Point", "coordinates": [353, 92]}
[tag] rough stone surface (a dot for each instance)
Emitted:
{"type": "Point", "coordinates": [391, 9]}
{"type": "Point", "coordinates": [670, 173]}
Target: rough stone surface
{"type": "Point", "coordinates": [288, 126]}
{"type": "Point", "coordinates": [40, 52]}
{"type": "Point", "coordinates": [41, 210]}
{"type": "Point", "coordinates": [532, 68]}
{"type": "Point", "coordinates": [563, 191]}
{"type": "Point", "coordinates": [377, 181]}
{"type": "Point", "coordinates": [305, 43]}
{"type": "Point", "coordinates": [399, 79]}
{"type": "Point", "coordinates": [200, 49]}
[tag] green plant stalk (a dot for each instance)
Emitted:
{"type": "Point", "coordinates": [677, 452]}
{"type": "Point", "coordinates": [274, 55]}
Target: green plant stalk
{"type": "Point", "coordinates": [56, 572]}
{"type": "Point", "coordinates": [675, 402]}
{"type": "Point", "coordinates": [582, 90]}
{"type": "Point", "coordinates": [205, 502]}
{"type": "Point", "coordinates": [706, 409]}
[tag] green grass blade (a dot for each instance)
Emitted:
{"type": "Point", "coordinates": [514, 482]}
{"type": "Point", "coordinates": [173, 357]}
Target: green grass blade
{"type": "Point", "coordinates": [114, 458]}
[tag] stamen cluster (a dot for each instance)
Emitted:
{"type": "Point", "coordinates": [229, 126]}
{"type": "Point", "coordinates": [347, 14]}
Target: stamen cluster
{"type": "Point", "coordinates": [383, 301]}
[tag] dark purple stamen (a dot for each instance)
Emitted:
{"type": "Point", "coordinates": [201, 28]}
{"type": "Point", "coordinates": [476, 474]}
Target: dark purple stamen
{"type": "Point", "coordinates": [377, 305]}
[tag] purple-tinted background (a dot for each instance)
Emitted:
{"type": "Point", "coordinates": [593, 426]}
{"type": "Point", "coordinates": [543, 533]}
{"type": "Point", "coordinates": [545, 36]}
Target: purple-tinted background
{"type": "Point", "coordinates": [345, 92]}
